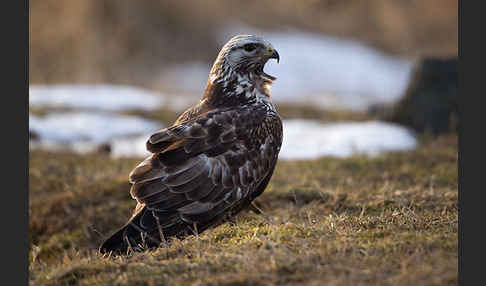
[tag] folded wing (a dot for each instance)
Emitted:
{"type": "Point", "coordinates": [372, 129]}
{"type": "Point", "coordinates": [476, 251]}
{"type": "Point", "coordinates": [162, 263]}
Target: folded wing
{"type": "Point", "coordinates": [202, 168]}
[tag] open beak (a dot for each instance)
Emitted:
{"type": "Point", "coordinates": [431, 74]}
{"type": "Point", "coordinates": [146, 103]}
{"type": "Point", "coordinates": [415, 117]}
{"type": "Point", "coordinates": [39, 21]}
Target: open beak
{"type": "Point", "coordinates": [272, 54]}
{"type": "Point", "coordinates": [275, 55]}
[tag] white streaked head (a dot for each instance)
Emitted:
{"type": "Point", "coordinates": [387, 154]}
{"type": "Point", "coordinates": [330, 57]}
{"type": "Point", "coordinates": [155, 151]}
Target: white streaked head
{"type": "Point", "coordinates": [244, 53]}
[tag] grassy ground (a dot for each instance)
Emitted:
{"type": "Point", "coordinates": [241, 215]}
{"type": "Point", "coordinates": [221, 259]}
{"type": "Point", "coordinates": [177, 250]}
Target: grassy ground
{"type": "Point", "coordinates": [389, 220]}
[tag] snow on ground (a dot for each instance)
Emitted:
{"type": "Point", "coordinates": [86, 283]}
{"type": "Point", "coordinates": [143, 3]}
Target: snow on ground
{"type": "Point", "coordinates": [323, 70]}
{"type": "Point", "coordinates": [130, 146]}
{"type": "Point", "coordinates": [303, 139]}
{"type": "Point", "coordinates": [88, 127]}
{"type": "Point", "coordinates": [307, 139]}
{"type": "Point", "coordinates": [98, 97]}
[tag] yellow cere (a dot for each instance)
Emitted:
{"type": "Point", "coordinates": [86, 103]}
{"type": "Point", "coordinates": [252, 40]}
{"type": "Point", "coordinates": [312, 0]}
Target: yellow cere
{"type": "Point", "coordinates": [270, 51]}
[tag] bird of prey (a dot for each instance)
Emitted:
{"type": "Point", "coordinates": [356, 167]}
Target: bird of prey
{"type": "Point", "coordinates": [216, 158]}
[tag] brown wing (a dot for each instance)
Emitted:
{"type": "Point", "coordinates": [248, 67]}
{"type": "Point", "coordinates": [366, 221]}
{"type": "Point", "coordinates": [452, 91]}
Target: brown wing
{"type": "Point", "coordinates": [208, 165]}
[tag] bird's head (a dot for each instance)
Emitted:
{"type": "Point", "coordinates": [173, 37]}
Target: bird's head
{"type": "Point", "coordinates": [244, 54]}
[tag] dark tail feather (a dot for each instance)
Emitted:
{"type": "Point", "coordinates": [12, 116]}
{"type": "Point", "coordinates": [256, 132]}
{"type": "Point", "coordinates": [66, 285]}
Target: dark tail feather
{"type": "Point", "coordinates": [115, 243]}
{"type": "Point", "coordinates": [131, 236]}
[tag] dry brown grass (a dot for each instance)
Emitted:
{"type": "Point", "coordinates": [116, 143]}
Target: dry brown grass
{"type": "Point", "coordinates": [389, 220]}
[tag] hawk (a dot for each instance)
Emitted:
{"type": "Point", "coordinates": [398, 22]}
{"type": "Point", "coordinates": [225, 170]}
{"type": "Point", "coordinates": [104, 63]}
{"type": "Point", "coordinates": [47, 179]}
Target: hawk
{"type": "Point", "coordinates": [216, 158]}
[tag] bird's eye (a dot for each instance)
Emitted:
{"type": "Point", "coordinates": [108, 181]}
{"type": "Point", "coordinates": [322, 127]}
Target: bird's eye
{"type": "Point", "coordinates": [249, 47]}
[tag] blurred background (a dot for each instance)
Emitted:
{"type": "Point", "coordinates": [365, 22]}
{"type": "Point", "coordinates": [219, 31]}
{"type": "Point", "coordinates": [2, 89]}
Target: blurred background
{"type": "Point", "coordinates": [359, 76]}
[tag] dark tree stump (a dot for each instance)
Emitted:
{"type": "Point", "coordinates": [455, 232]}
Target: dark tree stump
{"type": "Point", "coordinates": [430, 102]}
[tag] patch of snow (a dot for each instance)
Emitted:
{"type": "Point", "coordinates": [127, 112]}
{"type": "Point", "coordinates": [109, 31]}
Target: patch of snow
{"type": "Point", "coordinates": [130, 147]}
{"type": "Point", "coordinates": [97, 97]}
{"type": "Point", "coordinates": [88, 127]}
{"type": "Point", "coordinates": [80, 147]}
{"type": "Point", "coordinates": [303, 139]}
{"type": "Point", "coordinates": [307, 139]}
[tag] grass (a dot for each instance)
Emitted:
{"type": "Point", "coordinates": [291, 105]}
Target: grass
{"type": "Point", "coordinates": [388, 220]}
{"type": "Point", "coordinates": [306, 111]}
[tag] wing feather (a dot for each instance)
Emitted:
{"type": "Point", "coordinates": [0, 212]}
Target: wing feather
{"type": "Point", "coordinates": [201, 191]}
{"type": "Point", "coordinates": [145, 189]}
{"type": "Point", "coordinates": [192, 184]}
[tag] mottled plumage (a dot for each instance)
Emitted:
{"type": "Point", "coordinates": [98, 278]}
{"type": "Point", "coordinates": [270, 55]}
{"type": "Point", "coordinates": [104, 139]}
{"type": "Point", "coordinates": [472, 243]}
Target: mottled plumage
{"type": "Point", "coordinates": [214, 160]}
